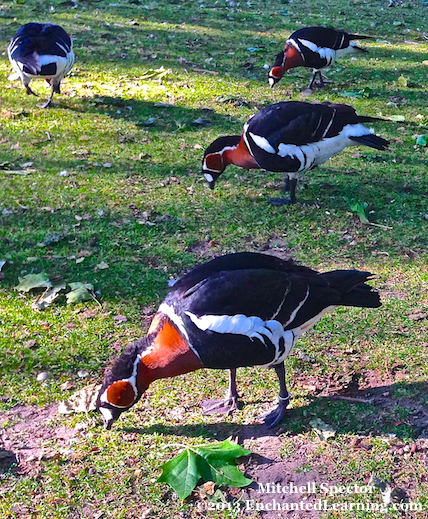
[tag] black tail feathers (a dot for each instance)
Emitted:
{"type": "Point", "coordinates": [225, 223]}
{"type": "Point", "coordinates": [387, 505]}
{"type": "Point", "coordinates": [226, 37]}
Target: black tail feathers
{"type": "Point", "coordinates": [351, 284]}
{"type": "Point", "coordinates": [372, 141]}
{"type": "Point", "coordinates": [359, 37]}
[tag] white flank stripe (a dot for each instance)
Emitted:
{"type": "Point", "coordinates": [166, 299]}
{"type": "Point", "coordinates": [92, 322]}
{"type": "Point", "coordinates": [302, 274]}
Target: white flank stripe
{"type": "Point", "coordinates": [252, 327]}
{"type": "Point", "coordinates": [262, 143]}
{"type": "Point", "coordinates": [323, 52]}
{"type": "Point", "coordinates": [317, 153]}
{"type": "Point", "coordinates": [329, 124]}
{"type": "Point", "coordinates": [299, 306]}
{"type": "Point", "coordinates": [282, 302]}
{"type": "Point", "coordinates": [62, 47]}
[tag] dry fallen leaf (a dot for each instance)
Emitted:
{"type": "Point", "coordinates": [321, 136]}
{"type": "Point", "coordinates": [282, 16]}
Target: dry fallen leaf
{"type": "Point", "coordinates": [81, 401]}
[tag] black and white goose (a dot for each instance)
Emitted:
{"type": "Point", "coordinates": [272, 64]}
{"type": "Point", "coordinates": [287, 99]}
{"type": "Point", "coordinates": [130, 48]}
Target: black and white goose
{"type": "Point", "coordinates": [41, 50]}
{"type": "Point", "coordinates": [316, 48]}
{"type": "Point", "coordinates": [243, 309]}
{"type": "Point", "coordinates": [290, 137]}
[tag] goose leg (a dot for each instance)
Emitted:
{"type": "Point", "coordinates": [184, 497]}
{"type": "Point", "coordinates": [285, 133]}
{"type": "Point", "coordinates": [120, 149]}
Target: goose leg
{"type": "Point", "coordinates": [285, 188]}
{"type": "Point", "coordinates": [26, 83]}
{"type": "Point", "coordinates": [227, 405]}
{"type": "Point", "coordinates": [48, 102]}
{"type": "Point", "coordinates": [312, 81]}
{"type": "Point", "coordinates": [276, 415]}
{"type": "Point", "coordinates": [290, 186]}
{"type": "Point", "coordinates": [321, 80]}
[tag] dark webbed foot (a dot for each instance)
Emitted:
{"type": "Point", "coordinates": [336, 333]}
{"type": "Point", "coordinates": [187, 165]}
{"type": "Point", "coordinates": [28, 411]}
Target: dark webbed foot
{"type": "Point", "coordinates": [276, 415]}
{"type": "Point", "coordinates": [227, 405]}
{"type": "Point", "coordinates": [280, 201]}
{"type": "Point", "coordinates": [48, 102]}
{"type": "Point", "coordinates": [45, 105]}
{"type": "Point", "coordinates": [29, 91]}
{"type": "Point", "coordinates": [289, 184]}
{"type": "Point", "coordinates": [223, 406]}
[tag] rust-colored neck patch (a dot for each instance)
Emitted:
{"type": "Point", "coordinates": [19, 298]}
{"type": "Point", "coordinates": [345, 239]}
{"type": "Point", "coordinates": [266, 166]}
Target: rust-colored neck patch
{"type": "Point", "coordinates": [168, 356]}
{"type": "Point", "coordinates": [293, 58]}
{"type": "Point", "coordinates": [121, 394]}
{"type": "Point", "coordinates": [240, 156]}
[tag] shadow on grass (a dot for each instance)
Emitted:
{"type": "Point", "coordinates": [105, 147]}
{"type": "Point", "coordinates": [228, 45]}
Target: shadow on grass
{"type": "Point", "coordinates": [399, 409]}
{"type": "Point", "coordinates": [157, 117]}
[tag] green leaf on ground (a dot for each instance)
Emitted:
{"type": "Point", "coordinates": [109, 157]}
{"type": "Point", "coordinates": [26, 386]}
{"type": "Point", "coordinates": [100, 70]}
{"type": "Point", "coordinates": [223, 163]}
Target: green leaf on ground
{"type": "Point", "coordinates": [364, 93]}
{"type": "Point", "coordinates": [80, 292]}
{"type": "Point", "coordinates": [31, 281]}
{"type": "Point", "coordinates": [396, 118]}
{"type": "Point", "coordinates": [359, 209]}
{"type": "Point", "coordinates": [210, 462]}
{"type": "Point", "coordinates": [422, 140]}
{"type": "Point", "coordinates": [158, 73]}
{"type": "Point", "coordinates": [51, 238]}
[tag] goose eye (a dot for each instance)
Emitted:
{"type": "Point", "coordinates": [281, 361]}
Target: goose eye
{"type": "Point", "coordinates": [121, 394]}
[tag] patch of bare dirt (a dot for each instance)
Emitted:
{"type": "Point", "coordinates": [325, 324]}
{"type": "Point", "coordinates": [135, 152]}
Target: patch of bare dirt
{"type": "Point", "coordinates": [277, 246]}
{"type": "Point", "coordinates": [24, 434]}
{"type": "Point", "coordinates": [284, 484]}
{"type": "Point", "coordinates": [204, 248]}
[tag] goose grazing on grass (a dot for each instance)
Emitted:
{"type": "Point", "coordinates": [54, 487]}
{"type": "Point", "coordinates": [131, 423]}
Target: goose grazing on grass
{"type": "Point", "coordinates": [41, 50]}
{"type": "Point", "coordinates": [316, 48]}
{"type": "Point", "coordinates": [244, 309]}
{"type": "Point", "coordinates": [290, 137]}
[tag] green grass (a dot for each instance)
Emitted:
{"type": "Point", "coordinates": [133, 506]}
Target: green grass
{"type": "Point", "coordinates": [154, 176]}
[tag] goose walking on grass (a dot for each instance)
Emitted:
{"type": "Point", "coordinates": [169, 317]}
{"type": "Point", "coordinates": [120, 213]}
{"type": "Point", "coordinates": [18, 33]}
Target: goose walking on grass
{"type": "Point", "coordinates": [41, 50]}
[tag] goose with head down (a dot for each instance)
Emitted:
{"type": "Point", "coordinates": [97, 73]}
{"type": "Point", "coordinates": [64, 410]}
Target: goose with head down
{"type": "Point", "coordinates": [244, 309]}
{"type": "Point", "coordinates": [290, 137]}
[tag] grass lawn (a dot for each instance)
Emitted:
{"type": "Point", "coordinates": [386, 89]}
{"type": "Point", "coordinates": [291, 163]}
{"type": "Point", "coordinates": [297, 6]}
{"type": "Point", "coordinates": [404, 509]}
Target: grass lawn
{"type": "Point", "coordinates": [105, 188]}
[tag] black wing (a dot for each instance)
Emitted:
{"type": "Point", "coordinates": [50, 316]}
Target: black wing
{"type": "Point", "coordinates": [233, 262]}
{"type": "Point", "coordinates": [39, 38]}
{"type": "Point", "coordinates": [292, 122]}
{"type": "Point", "coordinates": [326, 37]}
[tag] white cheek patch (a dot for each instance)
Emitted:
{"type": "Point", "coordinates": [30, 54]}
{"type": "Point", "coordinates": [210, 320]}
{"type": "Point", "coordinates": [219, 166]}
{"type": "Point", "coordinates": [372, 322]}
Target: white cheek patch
{"type": "Point", "coordinates": [103, 397]}
{"type": "Point", "coordinates": [107, 414]}
{"type": "Point", "coordinates": [209, 177]}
